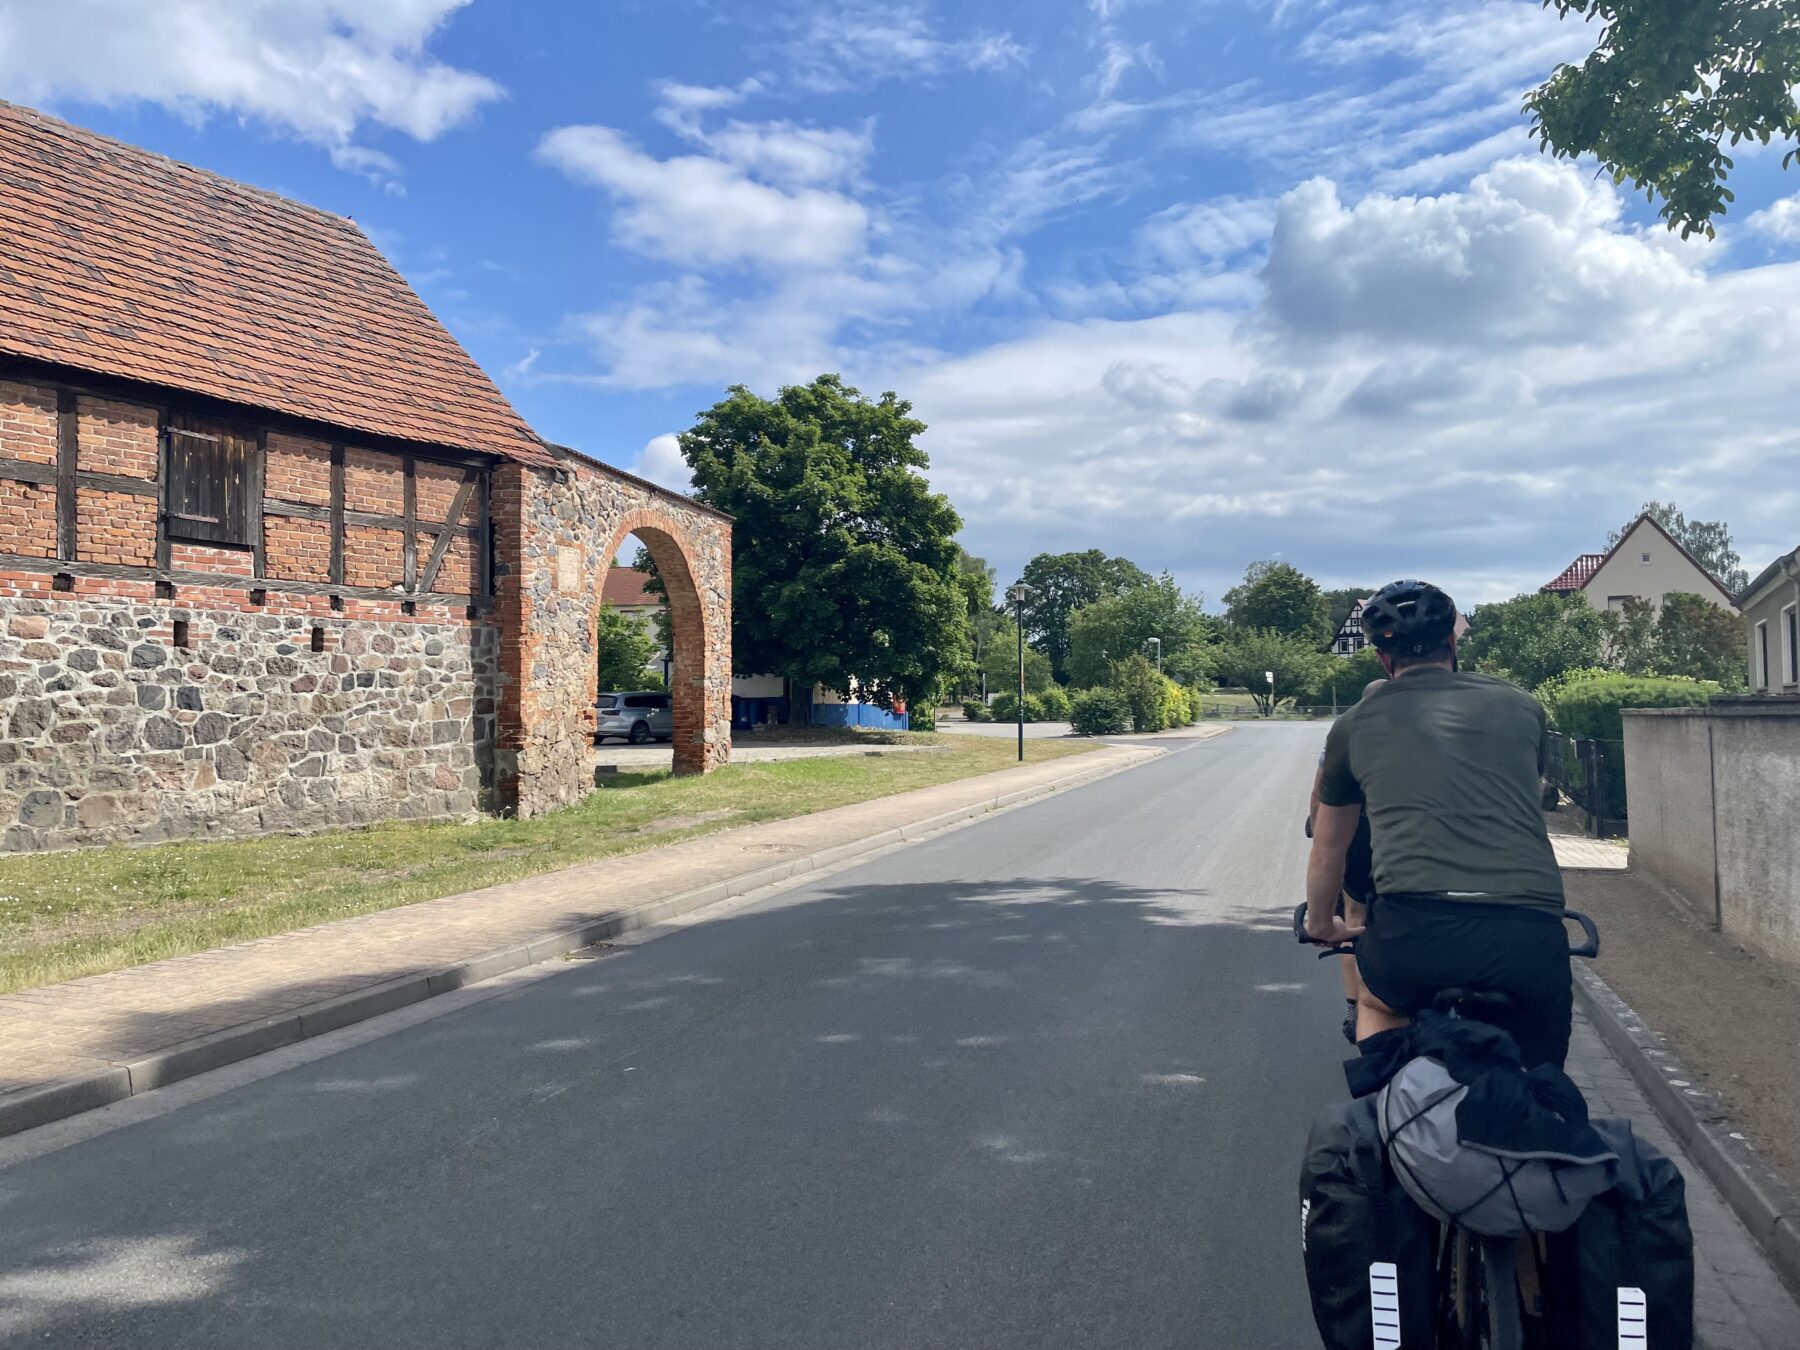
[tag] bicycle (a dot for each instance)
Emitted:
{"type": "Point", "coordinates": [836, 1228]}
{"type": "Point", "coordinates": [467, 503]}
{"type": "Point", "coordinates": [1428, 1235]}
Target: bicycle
{"type": "Point", "coordinates": [1470, 1266]}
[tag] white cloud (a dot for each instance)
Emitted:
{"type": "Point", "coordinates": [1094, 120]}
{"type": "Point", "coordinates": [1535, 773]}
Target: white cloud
{"type": "Point", "coordinates": [794, 156]}
{"type": "Point", "coordinates": [321, 69]}
{"type": "Point", "coordinates": [661, 462]}
{"type": "Point", "coordinates": [839, 46]}
{"type": "Point", "coordinates": [699, 210]}
{"type": "Point", "coordinates": [1779, 221]}
{"type": "Point", "coordinates": [1472, 386]}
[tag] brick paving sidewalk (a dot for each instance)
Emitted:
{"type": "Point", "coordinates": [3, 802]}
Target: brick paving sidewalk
{"type": "Point", "coordinates": [93, 1025]}
{"type": "Point", "coordinates": [1740, 1303]}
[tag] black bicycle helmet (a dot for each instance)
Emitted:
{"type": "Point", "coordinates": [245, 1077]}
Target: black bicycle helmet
{"type": "Point", "coordinates": [1408, 618]}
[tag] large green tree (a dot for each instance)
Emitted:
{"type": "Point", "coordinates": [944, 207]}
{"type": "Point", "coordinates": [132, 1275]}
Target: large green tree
{"type": "Point", "coordinates": [1697, 638]}
{"type": "Point", "coordinates": [1708, 540]}
{"type": "Point", "coordinates": [1116, 626]}
{"type": "Point", "coordinates": [844, 561]}
{"type": "Point", "coordinates": [1533, 638]}
{"type": "Point", "coordinates": [1340, 602]}
{"type": "Point", "coordinates": [1250, 655]}
{"type": "Point", "coordinates": [1000, 661]}
{"type": "Point", "coordinates": [1668, 84]}
{"type": "Point", "coordinates": [1062, 583]}
{"type": "Point", "coordinates": [625, 645]}
{"type": "Point", "coordinates": [976, 580]}
{"type": "Point", "coordinates": [1280, 598]}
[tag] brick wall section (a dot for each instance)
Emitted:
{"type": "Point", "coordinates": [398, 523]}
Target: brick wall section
{"type": "Point", "coordinates": [297, 470]}
{"type": "Point", "coordinates": [114, 527]}
{"type": "Point", "coordinates": [296, 549]}
{"type": "Point", "coordinates": [27, 423]}
{"type": "Point", "coordinates": [28, 516]}
{"type": "Point", "coordinates": [111, 733]}
{"type": "Point", "coordinates": [435, 487]}
{"type": "Point", "coordinates": [457, 574]}
{"type": "Point", "coordinates": [558, 534]}
{"type": "Point", "coordinates": [374, 482]}
{"type": "Point", "coordinates": [373, 557]}
{"type": "Point", "coordinates": [217, 559]}
{"type": "Point", "coordinates": [117, 438]}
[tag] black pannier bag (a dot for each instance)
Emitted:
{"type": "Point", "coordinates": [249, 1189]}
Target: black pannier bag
{"type": "Point", "coordinates": [1368, 1248]}
{"type": "Point", "coordinates": [1624, 1274]}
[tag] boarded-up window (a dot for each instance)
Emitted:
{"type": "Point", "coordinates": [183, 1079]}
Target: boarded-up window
{"type": "Point", "coordinates": [211, 480]}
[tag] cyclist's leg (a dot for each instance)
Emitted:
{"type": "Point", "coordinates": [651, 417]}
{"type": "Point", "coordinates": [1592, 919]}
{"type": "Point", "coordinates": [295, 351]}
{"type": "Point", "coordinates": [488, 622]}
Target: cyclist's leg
{"type": "Point", "coordinates": [1528, 959]}
{"type": "Point", "coordinates": [1386, 956]}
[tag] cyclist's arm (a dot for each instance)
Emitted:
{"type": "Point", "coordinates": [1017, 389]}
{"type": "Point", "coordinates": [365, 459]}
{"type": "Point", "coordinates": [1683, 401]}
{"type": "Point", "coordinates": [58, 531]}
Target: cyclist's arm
{"type": "Point", "coordinates": [1333, 829]}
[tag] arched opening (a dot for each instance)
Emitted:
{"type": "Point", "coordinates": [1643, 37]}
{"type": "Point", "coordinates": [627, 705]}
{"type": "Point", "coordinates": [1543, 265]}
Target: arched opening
{"type": "Point", "coordinates": [649, 644]}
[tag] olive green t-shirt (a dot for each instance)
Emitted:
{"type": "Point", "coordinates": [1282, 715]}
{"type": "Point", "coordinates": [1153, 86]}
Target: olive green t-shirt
{"type": "Point", "coordinates": [1448, 765]}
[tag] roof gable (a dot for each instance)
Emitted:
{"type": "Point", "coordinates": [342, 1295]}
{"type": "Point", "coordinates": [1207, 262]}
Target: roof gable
{"type": "Point", "coordinates": [1577, 574]}
{"type": "Point", "coordinates": [1657, 525]}
{"type": "Point", "coordinates": [120, 262]}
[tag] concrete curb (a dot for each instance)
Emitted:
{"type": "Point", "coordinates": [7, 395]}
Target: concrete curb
{"type": "Point", "coordinates": [57, 1101]}
{"type": "Point", "coordinates": [1768, 1206]}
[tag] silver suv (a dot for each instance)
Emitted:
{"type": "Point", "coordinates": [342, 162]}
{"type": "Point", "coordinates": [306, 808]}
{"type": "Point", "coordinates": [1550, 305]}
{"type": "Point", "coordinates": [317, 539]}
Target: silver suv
{"type": "Point", "coordinates": [637, 717]}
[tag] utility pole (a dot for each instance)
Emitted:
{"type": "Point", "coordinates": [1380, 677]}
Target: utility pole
{"type": "Point", "coordinates": [1018, 595]}
{"type": "Point", "coordinates": [1157, 642]}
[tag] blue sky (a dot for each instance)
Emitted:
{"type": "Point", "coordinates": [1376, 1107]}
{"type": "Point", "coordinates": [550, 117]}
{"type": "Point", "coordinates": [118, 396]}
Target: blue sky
{"type": "Point", "coordinates": [1196, 281]}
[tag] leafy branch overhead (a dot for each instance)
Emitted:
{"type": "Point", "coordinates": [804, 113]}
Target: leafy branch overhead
{"type": "Point", "coordinates": [1669, 87]}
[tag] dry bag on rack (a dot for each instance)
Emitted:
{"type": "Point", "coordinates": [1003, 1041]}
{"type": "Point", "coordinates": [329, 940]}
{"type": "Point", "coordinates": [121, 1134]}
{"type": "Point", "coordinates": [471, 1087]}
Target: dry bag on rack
{"type": "Point", "coordinates": [1624, 1274]}
{"type": "Point", "coordinates": [1368, 1248]}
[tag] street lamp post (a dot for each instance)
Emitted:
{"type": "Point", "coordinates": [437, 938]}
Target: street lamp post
{"type": "Point", "coordinates": [1018, 595]}
{"type": "Point", "coordinates": [1157, 643]}
{"type": "Point", "coordinates": [1269, 675]}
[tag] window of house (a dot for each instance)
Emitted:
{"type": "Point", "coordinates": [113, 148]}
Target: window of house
{"type": "Point", "coordinates": [1790, 644]}
{"type": "Point", "coordinates": [1762, 656]}
{"type": "Point", "coordinates": [1616, 601]}
{"type": "Point", "coordinates": [211, 480]}
{"type": "Point", "coordinates": [1643, 557]}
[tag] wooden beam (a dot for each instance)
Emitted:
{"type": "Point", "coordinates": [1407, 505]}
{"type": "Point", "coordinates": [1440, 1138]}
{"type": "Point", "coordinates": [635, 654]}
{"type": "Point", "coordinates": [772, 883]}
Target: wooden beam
{"type": "Point", "coordinates": [409, 497]}
{"type": "Point", "coordinates": [116, 482]}
{"type": "Point", "coordinates": [162, 489]}
{"type": "Point", "coordinates": [258, 465]}
{"type": "Point", "coordinates": [221, 580]}
{"type": "Point", "coordinates": [28, 471]}
{"type": "Point", "coordinates": [337, 515]}
{"type": "Point", "coordinates": [458, 505]}
{"type": "Point", "coordinates": [484, 541]}
{"type": "Point", "coordinates": [68, 450]}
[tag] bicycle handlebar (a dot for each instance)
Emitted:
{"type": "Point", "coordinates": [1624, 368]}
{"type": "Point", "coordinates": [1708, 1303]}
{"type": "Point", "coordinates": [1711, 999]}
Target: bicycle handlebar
{"type": "Point", "coordinates": [1588, 947]}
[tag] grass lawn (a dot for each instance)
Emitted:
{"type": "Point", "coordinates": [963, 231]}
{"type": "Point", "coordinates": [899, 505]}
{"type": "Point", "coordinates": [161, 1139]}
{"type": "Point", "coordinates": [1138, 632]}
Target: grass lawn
{"type": "Point", "coordinates": [63, 915]}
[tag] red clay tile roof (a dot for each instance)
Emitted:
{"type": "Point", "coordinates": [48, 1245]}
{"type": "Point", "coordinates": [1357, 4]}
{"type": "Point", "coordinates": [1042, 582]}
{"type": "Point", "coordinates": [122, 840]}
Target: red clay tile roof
{"type": "Point", "coordinates": [626, 586]}
{"type": "Point", "coordinates": [119, 262]}
{"type": "Point", "coordinates": [1577, 574]}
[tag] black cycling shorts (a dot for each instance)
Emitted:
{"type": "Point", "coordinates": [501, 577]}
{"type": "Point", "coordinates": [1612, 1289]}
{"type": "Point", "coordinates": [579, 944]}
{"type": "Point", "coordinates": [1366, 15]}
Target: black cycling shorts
{"type": "Point", "coordinates": [1416, 946]}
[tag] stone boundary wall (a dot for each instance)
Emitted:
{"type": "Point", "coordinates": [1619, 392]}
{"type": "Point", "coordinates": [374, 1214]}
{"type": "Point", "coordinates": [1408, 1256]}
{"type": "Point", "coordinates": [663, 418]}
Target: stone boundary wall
{"type": "Point", "coordinates": [1715, 813]}
{"type": "Point", "coordinates": [112, 732]}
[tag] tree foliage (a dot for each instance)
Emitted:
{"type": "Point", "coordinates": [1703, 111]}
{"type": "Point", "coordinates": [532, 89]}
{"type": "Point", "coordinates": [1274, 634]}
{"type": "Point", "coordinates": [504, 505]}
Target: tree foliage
{"type": "Point", "coordinates": [625, 646]}
{"type": "Point", "coordinates": [1249, 655]}
{"type": "Point", "coordinates": [844, 562]}
{"type": "Point", "coordinates": [1340, 602]}
{"type": "Point", "coordinates": [1278, 597]}
{"type": "Point", "coordinates": [1342, 680]}
{"type": "Point", "coordinates": [1062, 583]}
{"type": "Point", "coordinates": [1533, 638]}
{"type": "Point", "coordinates": [1708, 540]}
{"type": "Point", "coordinates": [1698, 639]}
{"type": "Point", "coordinates": [1116, 626]}
{"type": "Point", "coordinates": [976, 580]}
{"type": "Point", "coordinates": [1667, 85]}
{"type": "Point", "coordinates": [1000, 660]}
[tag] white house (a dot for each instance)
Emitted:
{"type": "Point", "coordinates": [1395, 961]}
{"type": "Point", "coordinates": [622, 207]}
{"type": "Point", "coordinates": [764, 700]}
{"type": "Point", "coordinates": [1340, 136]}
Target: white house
{"type": "Point", "coordinates": [1646, 564]}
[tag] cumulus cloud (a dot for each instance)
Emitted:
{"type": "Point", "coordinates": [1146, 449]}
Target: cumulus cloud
{"type": "Point", "coordinates": [703, 210]}
{"type": "Point", "coordinates": [661, 462]}
{"type": "Point", "coordinates": [1473, 385]}
{"type": "Point", "coordinates": [1779, 221]}
{"type": "Point", "coordinates": [321, 69]}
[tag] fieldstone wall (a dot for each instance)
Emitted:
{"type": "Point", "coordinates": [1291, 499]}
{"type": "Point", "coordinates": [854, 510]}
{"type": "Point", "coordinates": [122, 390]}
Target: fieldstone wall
{"type": "Point", "coordinates": [111, 731]}
{"type": "Point", "coordinates": [558, 533]}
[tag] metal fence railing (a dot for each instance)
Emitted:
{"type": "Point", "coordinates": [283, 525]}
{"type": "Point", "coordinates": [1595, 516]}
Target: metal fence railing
{"type": "Point", "coordinates": [1591, 774]}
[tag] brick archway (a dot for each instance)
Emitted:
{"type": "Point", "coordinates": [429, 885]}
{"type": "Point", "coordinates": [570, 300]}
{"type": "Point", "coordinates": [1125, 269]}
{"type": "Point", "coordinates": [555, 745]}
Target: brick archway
{"type": "Point", "coordinates": [558, 535]}
{"type": "Point", "coordinates": [687, 624]}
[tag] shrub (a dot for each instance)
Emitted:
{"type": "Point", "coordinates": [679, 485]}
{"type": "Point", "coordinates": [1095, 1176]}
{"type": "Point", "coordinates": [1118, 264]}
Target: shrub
{"type": "Point", "coordinates": [976, 711]}
{"type": "Point", "coordinates": [1006, 707]}
{"type": "Point", "coordinates": [1590, 706]}
{"type": "Point", "coordinates": [922, 716]}
{"type": "Point", "coordinates": [1175, 704]}
{"type": "Point", "coordinates": [1055, 703]}
{"type": "Point", "coordinates": [1098, 712]}
{"type": "Point", "coordinates": [1145, 693]}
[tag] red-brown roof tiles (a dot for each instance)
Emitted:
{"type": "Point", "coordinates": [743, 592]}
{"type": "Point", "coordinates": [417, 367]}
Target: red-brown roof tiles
{"type": "Point", "coordinates": [1577, 574]}
{"type": "Point", "coordinates": [120, 262]}
{"type": "Point", "coordinates": [627, 586]}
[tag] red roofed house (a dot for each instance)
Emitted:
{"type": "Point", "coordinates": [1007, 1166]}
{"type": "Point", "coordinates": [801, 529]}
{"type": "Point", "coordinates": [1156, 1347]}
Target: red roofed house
{"type": "Point", "coordinates": [274, 552]}
{"type": "Point", "coordinates": [1646, 564]}
{"type": "Point", "coordinates": [627, 590]}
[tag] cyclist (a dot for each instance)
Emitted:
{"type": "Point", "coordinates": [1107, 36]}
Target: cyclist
{"type": "Point", "coordinates": [1359, 884]}
{"type": "Point", "coordinates": [1447, 765]}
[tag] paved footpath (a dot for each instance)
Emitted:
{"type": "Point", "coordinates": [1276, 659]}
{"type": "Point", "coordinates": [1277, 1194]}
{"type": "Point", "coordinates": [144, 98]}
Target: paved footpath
{"type": "Point", "coordinates": [107, 1023]}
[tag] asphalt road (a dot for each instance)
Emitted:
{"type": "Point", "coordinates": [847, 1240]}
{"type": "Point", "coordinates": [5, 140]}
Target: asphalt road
{"type": "Point", "coordinates": [1040, 1082]}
